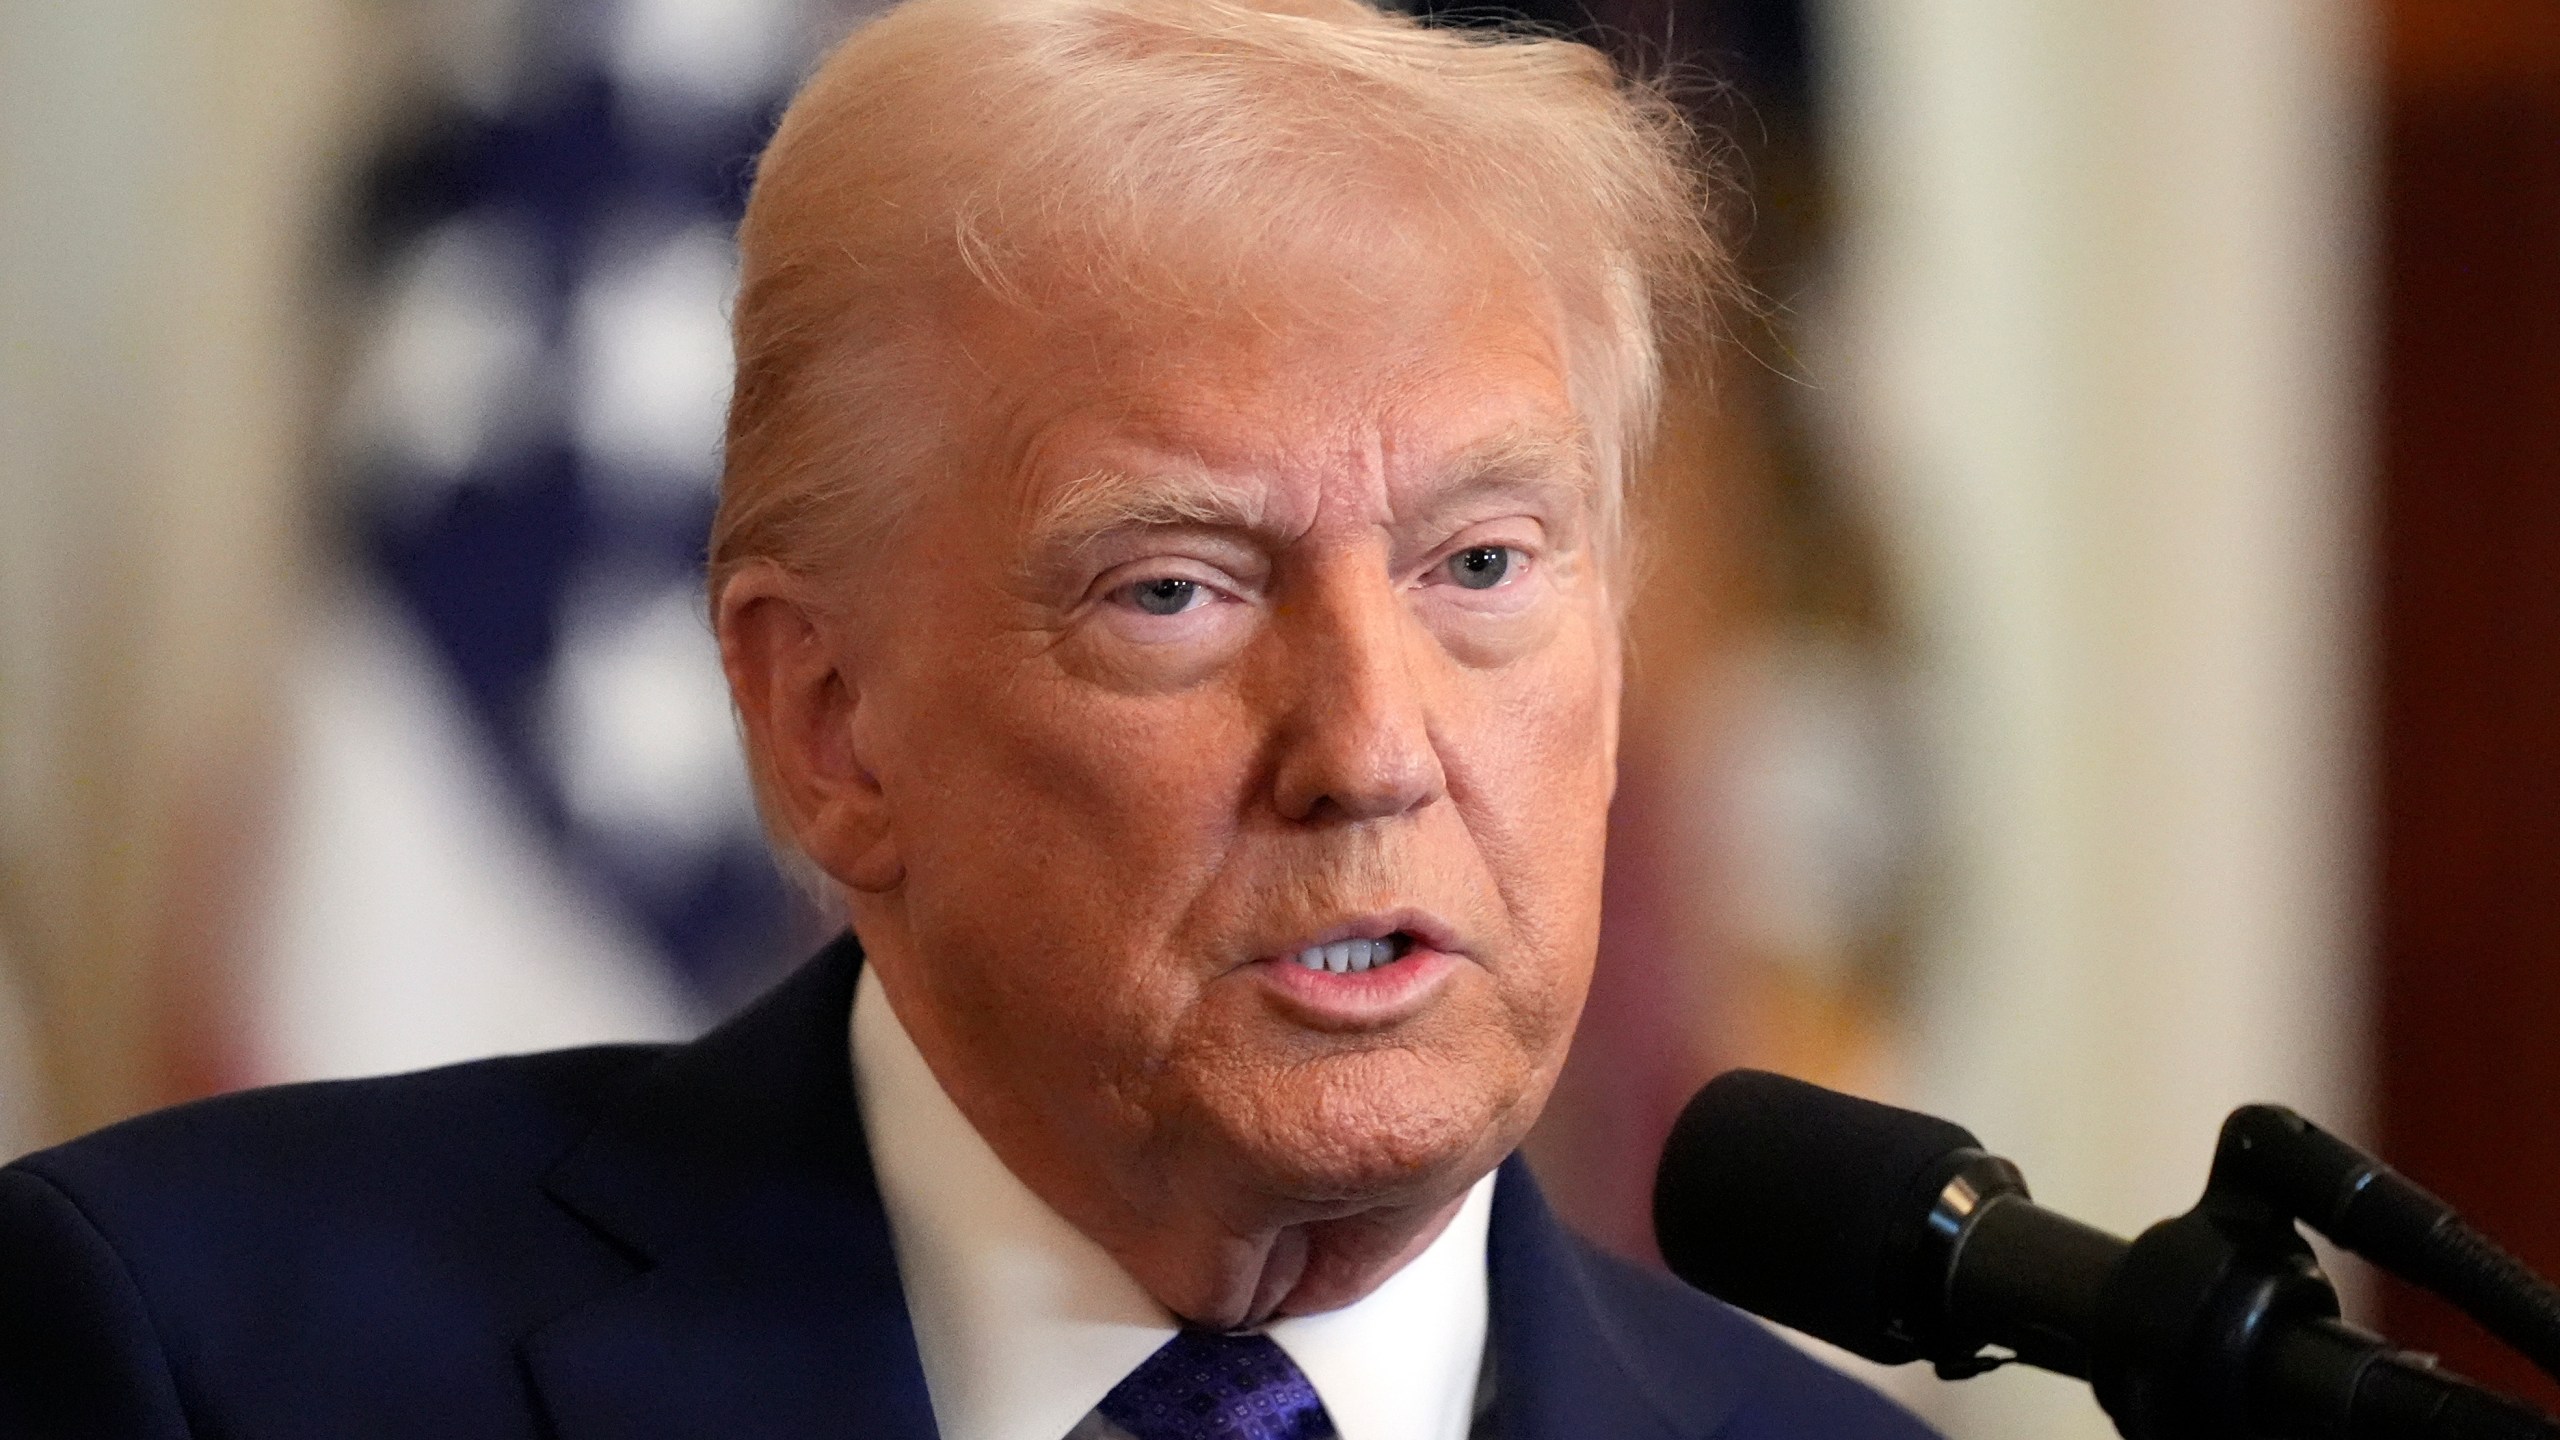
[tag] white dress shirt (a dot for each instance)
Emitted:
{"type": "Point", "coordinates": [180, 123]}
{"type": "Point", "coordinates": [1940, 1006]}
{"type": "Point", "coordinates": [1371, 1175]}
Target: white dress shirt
{"type": "Point", "coordinates": [1024, 1324]}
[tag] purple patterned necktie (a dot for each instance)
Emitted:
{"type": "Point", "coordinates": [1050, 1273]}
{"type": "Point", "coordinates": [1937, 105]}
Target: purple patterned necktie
{"type": "Point", "coordinates": [1203, 1385]}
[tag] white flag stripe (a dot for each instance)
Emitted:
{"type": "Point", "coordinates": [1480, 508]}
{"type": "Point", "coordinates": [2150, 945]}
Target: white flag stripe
{"type": "Point", "coordinates": [414, 918]}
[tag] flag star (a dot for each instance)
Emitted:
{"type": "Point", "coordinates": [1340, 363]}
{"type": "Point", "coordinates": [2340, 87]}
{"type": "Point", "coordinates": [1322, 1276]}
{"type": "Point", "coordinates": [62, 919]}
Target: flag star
{"type": "Point", "coordinates": [639, 730]}
{"type": "Point", "coordinates": [672, 58]}
{"type": "Point", "coordinates": [650, 337]}
{"type": "Point", "coordinates": [451, 377]}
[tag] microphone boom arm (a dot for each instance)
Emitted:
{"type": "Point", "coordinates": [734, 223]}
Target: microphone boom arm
{"type": "Point", "coordinates": [2218, 1323]}
{"type": "Point", "coordinates": [2367, 1208]}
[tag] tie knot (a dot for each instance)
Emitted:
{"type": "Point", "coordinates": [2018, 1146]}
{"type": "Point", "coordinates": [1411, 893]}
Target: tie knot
{"type": "Point", "coordinates": [1202, 1385]}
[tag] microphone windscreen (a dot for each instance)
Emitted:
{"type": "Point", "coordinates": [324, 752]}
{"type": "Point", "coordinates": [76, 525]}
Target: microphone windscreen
{"type": "Point", "coordinates": [1802, 1205]}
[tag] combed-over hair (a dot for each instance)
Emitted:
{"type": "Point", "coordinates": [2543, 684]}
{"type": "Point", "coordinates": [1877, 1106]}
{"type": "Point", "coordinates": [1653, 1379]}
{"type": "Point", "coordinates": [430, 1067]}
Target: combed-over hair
{"type": "Point", "coordinates": [1159, 152]}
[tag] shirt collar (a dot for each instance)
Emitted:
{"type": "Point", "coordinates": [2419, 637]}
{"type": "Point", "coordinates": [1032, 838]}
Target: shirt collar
{"type": "Point", "coordinates": [1024, 1324]}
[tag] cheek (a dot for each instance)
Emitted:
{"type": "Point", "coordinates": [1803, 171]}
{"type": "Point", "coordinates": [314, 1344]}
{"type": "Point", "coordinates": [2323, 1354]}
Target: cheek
{"type": "Point", "coordinates": [1530, 759]}
{"type": "Point", "coordinates": [1533, 772]}
{"type": "Point", "coordinates": [1142, 782]}
{"type": "Point", "coordinates": [1049, 882]}
{"type": "Point", "coordinates": [1066, 817]}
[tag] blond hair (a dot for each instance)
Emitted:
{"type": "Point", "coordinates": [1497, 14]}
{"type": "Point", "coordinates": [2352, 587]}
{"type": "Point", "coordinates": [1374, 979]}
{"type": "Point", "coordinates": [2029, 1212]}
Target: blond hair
{"type": "Point", "coordinates": [1160, 150]}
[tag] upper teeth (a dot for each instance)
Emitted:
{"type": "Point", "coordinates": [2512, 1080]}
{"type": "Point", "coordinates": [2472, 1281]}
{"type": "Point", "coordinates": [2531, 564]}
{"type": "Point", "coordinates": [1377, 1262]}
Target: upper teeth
{"type": "Point", "coordinates": [1347, 956]}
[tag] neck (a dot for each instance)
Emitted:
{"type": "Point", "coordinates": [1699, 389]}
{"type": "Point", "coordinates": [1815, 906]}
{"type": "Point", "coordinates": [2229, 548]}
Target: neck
{"type": "Point", "coordinates": [1221, 1280]}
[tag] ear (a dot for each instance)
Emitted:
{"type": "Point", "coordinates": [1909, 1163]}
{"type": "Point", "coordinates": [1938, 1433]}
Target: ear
{"type": "Point", "coordinates": [797, 697]}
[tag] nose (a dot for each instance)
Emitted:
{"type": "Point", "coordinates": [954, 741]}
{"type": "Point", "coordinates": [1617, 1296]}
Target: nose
{"type": "Point", "coordinates": [1355, 738]}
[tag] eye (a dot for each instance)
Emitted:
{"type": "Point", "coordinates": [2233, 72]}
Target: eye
{"type": "Point", "coordinates": [1166, 595]}
{"type": "Point", "coordinates": [1481, 567]}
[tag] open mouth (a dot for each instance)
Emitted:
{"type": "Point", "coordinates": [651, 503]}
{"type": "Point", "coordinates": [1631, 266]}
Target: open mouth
{"type": "Point", "coordinates": [1354, 957]}
{"type": "Point", "coordinates": [1392, 967]}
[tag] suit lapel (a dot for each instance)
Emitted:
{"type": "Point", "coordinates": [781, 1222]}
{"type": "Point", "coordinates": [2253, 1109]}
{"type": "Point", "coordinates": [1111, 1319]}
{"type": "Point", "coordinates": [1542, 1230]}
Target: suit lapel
{"type": "Point", "coordinates": [1568, 1363]}
{"type": "Point", "coordinates": [766, 1300]}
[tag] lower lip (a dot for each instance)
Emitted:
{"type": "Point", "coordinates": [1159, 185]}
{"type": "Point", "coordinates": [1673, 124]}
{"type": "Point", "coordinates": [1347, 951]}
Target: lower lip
{"type": "Point", "coordinates": [1380, 995]}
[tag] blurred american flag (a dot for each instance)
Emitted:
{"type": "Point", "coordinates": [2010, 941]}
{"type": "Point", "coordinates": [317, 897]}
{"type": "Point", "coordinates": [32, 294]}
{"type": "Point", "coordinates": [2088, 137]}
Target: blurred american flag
{"type": "Point", "coordinates": [518, 817]}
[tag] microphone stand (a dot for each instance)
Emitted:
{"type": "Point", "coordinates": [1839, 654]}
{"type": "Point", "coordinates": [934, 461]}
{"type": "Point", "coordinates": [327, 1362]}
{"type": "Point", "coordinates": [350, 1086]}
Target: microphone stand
{"type": "Point", "coordinates": [2366, 1207]}
{"type": "Point", "coordinates": [2219, 1325]}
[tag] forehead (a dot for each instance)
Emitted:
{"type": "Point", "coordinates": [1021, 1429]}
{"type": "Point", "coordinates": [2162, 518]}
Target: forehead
{"type": "Point", "coordinates": [1396, 385]}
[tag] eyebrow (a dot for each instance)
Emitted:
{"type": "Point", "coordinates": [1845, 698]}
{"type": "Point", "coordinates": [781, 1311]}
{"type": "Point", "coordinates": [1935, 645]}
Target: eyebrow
{"type": "Point", "coordinates": [1107, 502]}
{"type": "Point", "coordinates": [1539, 460]}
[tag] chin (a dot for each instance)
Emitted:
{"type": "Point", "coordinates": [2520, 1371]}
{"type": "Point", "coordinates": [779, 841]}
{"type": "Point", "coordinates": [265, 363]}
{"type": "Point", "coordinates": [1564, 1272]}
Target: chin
{"type": "Point", "coordinates": [1383, 1128]}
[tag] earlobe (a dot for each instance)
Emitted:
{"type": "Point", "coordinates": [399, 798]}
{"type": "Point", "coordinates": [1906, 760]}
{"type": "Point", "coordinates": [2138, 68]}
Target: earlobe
{"type": "Point", "coordinates": [801, 708]}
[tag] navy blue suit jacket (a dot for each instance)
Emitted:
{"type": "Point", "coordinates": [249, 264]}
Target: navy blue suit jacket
{"type": "Point", "coordinates": [649, 1241]}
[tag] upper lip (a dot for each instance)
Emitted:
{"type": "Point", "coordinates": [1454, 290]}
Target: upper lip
{"type": "Point", "coordinates": [1428, 930]}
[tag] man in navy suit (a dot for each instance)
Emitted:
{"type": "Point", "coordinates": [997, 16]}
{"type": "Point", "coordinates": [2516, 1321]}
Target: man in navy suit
{"type": "Point", "coordinates": [1169, 572]}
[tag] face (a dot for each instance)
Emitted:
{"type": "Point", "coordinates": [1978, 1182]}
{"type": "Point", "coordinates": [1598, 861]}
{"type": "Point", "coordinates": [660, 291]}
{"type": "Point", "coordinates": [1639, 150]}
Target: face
{"type": "Point", "coordinates": [1243, 719]}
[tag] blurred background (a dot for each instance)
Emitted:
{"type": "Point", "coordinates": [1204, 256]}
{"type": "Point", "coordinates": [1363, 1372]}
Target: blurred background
{"type": "Point", "coordinates": [2100, 661]}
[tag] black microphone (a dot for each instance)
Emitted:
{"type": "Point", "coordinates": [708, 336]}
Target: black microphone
{"type": "Point", "coordinates": [1896, 1236]}
{"type": "Point", "coordinates": [1886, 1232]}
